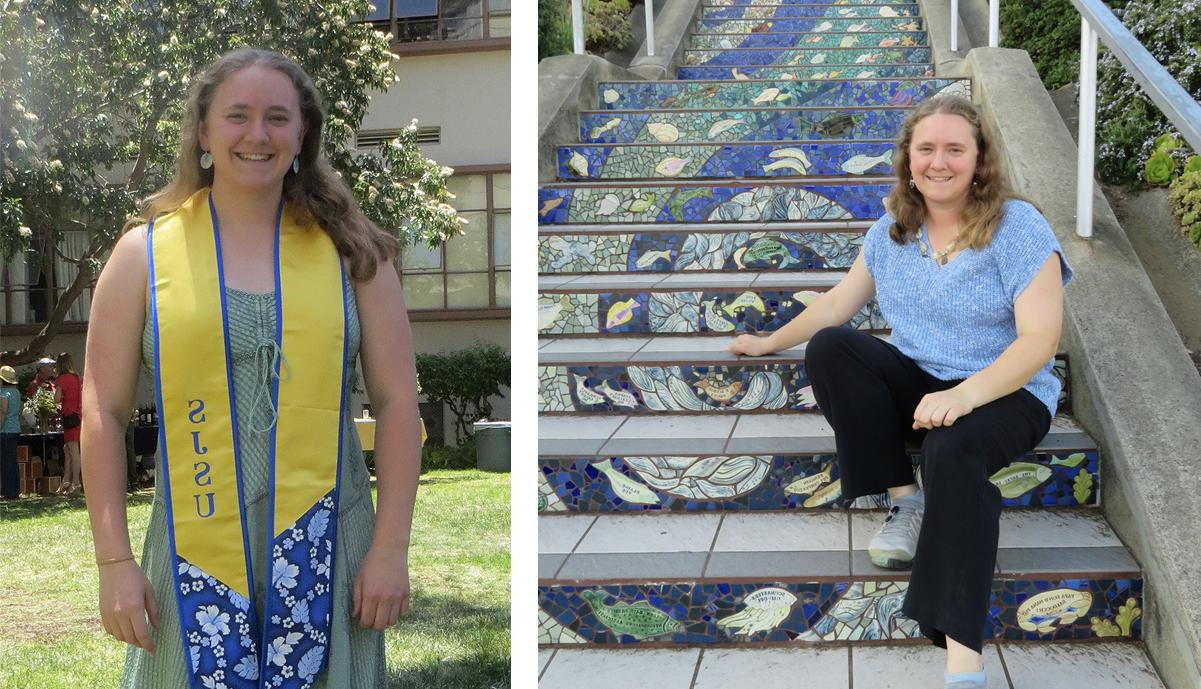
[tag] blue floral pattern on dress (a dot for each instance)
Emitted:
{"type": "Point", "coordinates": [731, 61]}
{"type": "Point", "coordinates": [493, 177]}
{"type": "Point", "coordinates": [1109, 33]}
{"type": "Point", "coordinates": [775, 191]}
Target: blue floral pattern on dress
{"type": "Point", "coordinates": [217, 625]}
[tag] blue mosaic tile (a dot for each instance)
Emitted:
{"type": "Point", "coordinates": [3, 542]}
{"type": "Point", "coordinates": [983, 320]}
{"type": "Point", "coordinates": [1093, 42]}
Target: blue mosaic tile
{"type": "Point", "coordinates": [814, 72]}
{"type": "Point", "coordinates": [698, 203]}
{"type": "Point", "coordinates": [730, 160]}
{"type": "Point", "coordinates": [643, 95]}
{"type": "Point", "coordinates": [809, 25]}
{"type": "Point", "coordinates": [741, 125]}
{"type": "Point", "coordinates": [780, 482]}
{"type": "Point", "coordinates": [796, 11]}
{"type": "Point", "coordinates": [744, 3]}
{"type": "Point", "coordinates": [807, 56]}
{"type": "Point", "coordinates": [829, 39]}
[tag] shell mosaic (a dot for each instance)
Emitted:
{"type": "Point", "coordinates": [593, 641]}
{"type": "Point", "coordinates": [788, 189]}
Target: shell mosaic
{"type": "Point", "coordinates": [708, 311]}
{"type": "Point", "coordinates": [644, 95]}
{"type": "Point", "coordinates": [740, 125]}
{"type": "Point", "coordinates": [729, 160]}
{"type": "Point", "coordinates": [809, 25]}
{"type": "Point", "coordinates": [698, 203]}
{"type": "Point", "coordinates": [807, 56]}
{"type": "Point", "coordinates": [813, 72]}
{"type": "Point", "coordinates": [779, 482]}
{"type": "Point", "coordinates": [851, 610]}
{"type": "Point", "coordinates": [793, 11]}
{"type": "Point", "coordinates": [862, 39]}
{"type": "Point", "coordinates": [664, 252]}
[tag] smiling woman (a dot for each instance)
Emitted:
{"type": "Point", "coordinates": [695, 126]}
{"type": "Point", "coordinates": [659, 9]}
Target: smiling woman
{"type": "Point", "coordinates": [248, 293]}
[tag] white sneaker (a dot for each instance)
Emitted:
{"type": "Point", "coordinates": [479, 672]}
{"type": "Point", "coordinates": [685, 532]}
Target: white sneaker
{"type": "Point", "coordinates": [895, 543]}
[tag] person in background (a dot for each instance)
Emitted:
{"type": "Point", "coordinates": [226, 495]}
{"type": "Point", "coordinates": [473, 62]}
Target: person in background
{"type": "Point", "coordinates": [68, 394]}
{"type": "Point", "coordinates": [45, 376]}
{"type": "Point", "coordinates": [10, 431]}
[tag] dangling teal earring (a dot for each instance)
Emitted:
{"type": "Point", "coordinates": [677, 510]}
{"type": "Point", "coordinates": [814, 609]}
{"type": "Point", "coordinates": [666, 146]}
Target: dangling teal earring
{"type": "Point", "coordinates": [296, 165]}
{"type": "Point", "coordinates": [206, 160]}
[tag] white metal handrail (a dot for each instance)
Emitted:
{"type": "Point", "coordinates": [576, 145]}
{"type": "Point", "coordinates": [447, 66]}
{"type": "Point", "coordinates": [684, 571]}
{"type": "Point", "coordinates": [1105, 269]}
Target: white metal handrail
{"type": "Point", "coordinates": [1097, 21]}
{"type": "Point", "coordinates": [577, 26]}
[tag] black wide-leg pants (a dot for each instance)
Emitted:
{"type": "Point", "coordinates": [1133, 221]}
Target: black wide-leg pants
{"type": "Point", "coordinates": [868, 390]}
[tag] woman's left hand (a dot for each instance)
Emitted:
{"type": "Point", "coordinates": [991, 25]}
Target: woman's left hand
{"type": "Point", "coordinates": [381, 588]}
{"type": "Point", "coordinates": [941, 408]}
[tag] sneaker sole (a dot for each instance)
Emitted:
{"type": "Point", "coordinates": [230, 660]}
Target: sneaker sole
{"type": "Point", "coordinates": [883, 560]}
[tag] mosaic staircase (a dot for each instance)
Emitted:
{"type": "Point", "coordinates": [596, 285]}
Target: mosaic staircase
{"type": "Point", "coordinates": [690, 510]}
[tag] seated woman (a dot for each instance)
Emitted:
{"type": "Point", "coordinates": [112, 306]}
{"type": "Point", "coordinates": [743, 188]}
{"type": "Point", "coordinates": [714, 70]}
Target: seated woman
{"type": "Point", "coordinates": [970, 278]}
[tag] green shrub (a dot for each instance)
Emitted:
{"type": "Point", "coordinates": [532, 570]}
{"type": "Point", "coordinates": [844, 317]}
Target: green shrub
{"type": "Point", "coordinates": [607, 25]}
{"type": "Point", "coordinates": [554, 28]}
{"type": "Point", "coordinates": [1185, 198]}
{"type": "Point", "coordinates": [461, 456]}
{"type": "Point", "coordinates": [463, 381]}
{"type": "Point", "coordinates": [1050, 31]}
{"type": "Point", "coordinates": [1160, 169]}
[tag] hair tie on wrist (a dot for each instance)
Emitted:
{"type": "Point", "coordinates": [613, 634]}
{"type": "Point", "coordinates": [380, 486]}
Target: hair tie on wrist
{"type": "Point", "coordinates": [114, 560]}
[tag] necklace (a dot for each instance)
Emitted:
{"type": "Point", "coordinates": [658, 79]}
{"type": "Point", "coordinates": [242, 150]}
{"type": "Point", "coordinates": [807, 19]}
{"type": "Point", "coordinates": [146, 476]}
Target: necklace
{"type": "Point", "coordinates": [940, 257]}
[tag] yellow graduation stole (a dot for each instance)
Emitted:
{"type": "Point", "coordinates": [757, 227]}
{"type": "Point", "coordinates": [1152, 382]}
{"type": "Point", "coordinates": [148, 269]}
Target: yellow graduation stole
{"type": "Point", "coordinates": [198, 434]}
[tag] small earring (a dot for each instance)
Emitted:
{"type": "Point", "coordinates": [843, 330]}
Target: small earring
{"type": "Point", "coordinates": [975, 184]}
{"type": "Point", "coordinates": [206, 160]}
{"type": "Point", "coordinates": [296, 164]}
{"type": "Point", "coordinates": [912, 184]}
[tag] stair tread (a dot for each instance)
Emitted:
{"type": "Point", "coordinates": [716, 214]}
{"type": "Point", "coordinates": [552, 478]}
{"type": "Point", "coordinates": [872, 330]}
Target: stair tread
{"type": "Point", "coordinates": [845, 226]}
{"type": "Point", "coordinates": [773, 280]}
{"type": "Point", "coordinates": [832, 180]}
{"type": "Point", "coordinates": [1010, 665]}
{"type": "Point", "coordinates": [728, 433]}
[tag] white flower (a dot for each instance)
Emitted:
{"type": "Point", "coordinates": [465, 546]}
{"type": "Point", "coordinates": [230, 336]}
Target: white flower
{"type": "Point", "coordinates": [25, 232]}
{"type": "Point", "coordinates": [212, 620]}
{"type": "Point", "coordinates": [283, 573]}
{"type": "Point", "coordinates": [31, 117]}
{"type": "Point", "coordinates": [163, 75]}
{"type": "Point", "coordinates": [447, 171]}
{"type": "Point", "coordinates": [280, 648]}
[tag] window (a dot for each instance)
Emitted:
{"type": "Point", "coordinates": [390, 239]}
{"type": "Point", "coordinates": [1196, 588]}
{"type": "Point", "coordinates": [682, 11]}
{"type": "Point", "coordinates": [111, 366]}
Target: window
{"type": "Point", "coordinates": [29, 291]}
{"type": "Point", "coordinates": [471, 271]}
{"type": "Point", "coordinates": [416, 21]}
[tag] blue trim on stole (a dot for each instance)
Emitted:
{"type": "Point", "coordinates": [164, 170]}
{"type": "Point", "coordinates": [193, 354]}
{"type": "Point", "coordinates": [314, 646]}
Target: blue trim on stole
{"type": "Point", "coordinates": [270, 540]}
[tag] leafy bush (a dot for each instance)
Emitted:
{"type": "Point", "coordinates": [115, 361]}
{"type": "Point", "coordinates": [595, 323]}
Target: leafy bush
{"type": "Point", "coordinates": [554, 28]}
{"type": "Point", "coordinates": [1185, 197]}
{"type": "Point", "coordinates": [1050, 31]}
{"type": "Point", "coordinates": [461, 456]}
{"type": "Point", "coordinates": [607, 25]}
{"type": "Point", "coordinates": [463, 381]}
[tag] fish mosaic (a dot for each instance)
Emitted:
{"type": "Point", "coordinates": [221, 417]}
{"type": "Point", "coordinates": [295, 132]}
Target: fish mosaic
{"type": "Point", "coordinates": [804, 25]}
{"type": "Point", "coordinates": [794, 11]}
{"type": "Point", "coordinates": [846, 55]}
{"type": "Point", "coordinates": [879, 39]}
{"type": "Point", "coordinates": [747, 125]}
{"type": "Point", "coordinates": [1020, 478]}
{"type": "Point", "coordinates": [712, 611]}
{"type": "Point", "coordinates": [567, 314]}
{"type": "Point", "coordinates": [875, 70]}
{"type": "Point", "coordinates": [644, 95]}
{"type": "Point", "coordinates": [630, 490]}
{"type": "Point", "coordinates": [575, 253]}
{"type": "Point", "coordinates": [744, 482]}
{"type": "Point", "coordinates": [744, 3]}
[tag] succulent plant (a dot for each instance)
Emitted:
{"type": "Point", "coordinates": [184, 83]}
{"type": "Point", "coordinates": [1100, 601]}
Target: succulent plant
{"type": "Point", "coordinates": [1185, 199]}
{"type": "Point", "coordinates": [1193, 164]}
{"type": "Point", "coordinates": [1165, 143]}
{"type": "Point", "coordinates": [1159, 169]}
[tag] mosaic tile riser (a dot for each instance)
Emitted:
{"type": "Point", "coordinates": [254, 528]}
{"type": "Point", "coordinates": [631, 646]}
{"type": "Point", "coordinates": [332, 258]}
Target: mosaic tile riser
{"type": "Point", "coordinates": [655, 252]}
{"type": "Point", "coordinates": [771, 611]}
{"type": "Point", "coordinates": [792, 11]}
{"type": "Point", "coordinates": [882, 39]}
{"type": "Point", "coordinates": [740, 125]}
{"type": "Point", "coordinates": [787, 57]}
{"type": "Point", "coordinates": [743, 3]}
{"type": "Point", "coordinates": [809, 25]}
{"type": "Point", "coordinates": [780, 482]}
{"type": "Point", "coordinates": [729, 160]}
{"type": "Point", "coordinates": [644, 95]}
{"type": "Point", "coordinates": [816, 72]}
{"type": "Point", "coordinates": [697, 203]}
{"type": "Point", "coordinates": [681, 312]}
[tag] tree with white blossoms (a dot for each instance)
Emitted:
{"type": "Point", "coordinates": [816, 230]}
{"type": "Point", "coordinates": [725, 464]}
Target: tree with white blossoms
{"type": "Point", "coordinates": [92, 94]}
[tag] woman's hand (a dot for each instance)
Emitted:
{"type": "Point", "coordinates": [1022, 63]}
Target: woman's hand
{"type": "Point", "coordinates": [750, 345]}
{"type": "Point", "coordinates": [381, 588]}
{"type": "Point", "coordinates": [126, 598]}
{"type": "Point", "coordinates": [941, 408]}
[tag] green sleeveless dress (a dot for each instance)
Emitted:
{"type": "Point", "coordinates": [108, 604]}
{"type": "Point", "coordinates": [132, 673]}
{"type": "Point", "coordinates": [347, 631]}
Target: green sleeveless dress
{"type": "Point", "coordinates": [356, 654]}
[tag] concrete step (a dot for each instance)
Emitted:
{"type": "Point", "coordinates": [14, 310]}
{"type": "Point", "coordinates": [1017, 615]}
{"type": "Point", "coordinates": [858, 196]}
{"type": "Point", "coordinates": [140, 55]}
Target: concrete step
{"type": "Point", "coordinates": [806, 56]}
{"type": "Point", "coordinates": [1010, 665]}
{"type": "Point", "coordinates": [809, 25]}
{"type": "Point", "coordinates": [743, 124]}
{"type": "Point", "coordinates": [818, 3]}
{"type": "Point", "coordinates": [786, 93]}
{"type": "Point", "coordinates": [799, 11]}
{"type": "Point", "coordinates": [717, 201]}
{"type": "Point", "coordinates": [828, 39]}
{"type": "Point", "coordinates": [683, 303]}
{"type": "Point", "coordinates": [812, 160]}
{"type": "Point", "coordinates": [811, 72]}
{"type": "Point", "coordinates": [580, 249]}
{"type": "Point", "coordinates": [758, 578]}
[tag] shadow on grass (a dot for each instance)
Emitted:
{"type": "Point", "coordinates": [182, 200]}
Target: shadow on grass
{"type": "Point", "coordinates": [450, 642]}
{"type": "Point", "coordinates": [477, 671]}
{"type": "Point", "coordinates": [54, 506]}
{"type": "Point", "coordinates": [459, 477]}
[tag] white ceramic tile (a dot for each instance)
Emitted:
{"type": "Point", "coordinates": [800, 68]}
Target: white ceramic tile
{"type": "Point", "coordinates": [710, 280]}
{"type": "Point", "coordinates": [691, 426]}
{"type": "Point", "coordinates": [593, 344]}
{"type": "Point", "coordinates": [864, 525]}
{"type": "Point", "coordinates": [1055, 529]}
{"type": "Point", "coordinates": [554, 281]}
{"type": "Point", "coordinates": [798, 280]}
{"type": "Point", "coordinates": [773, 668]}
{"type": "Point", "coordinates": [783, 425]}
{"type": "Point", "coordinates": [626, 668]}
{"type": "Point", "coordinates": [577, 427]}
{"type": "Point", "coordinates": [623, 282]}
{"type": "Point", "coordinates": [642, 533]}
{"type": "Point", "coordinates": [916, 667]}
{"type": "Point", "coordinates": [742, 532]}
{"type": "Point", "coordinates": [543, 658]}
{"type": "Point", "coordinates": [1080, 666]}
{"type": "Point", "coordinates": [559, 534]}
{"type": "Point", "coordinates": [688, 344]}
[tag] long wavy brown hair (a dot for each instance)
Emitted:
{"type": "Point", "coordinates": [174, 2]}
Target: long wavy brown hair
{"type": "Point", "coordinates": [315, 193]}
{"type": "Point", "coordinates": [65, 363]}
{"type": "Point", "coordinates": [990, 187]}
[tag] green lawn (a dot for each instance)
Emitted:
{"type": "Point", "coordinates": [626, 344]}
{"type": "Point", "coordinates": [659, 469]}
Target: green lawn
{"type": "Point", "coordinates": [457, 634]}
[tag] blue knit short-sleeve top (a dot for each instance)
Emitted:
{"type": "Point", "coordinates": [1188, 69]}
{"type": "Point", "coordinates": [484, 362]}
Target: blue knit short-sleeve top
{"type": "Point", "coordinates": [955, 320]}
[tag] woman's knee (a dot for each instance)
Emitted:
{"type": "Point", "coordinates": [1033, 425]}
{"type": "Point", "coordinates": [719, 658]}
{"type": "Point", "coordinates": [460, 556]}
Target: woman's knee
{"type": "Point", "coordinates": [826, 342]}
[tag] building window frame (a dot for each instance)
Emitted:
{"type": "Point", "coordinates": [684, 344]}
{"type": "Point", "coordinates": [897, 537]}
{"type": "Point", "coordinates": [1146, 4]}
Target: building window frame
{"type": "Point", "coordinates": [486, 40]}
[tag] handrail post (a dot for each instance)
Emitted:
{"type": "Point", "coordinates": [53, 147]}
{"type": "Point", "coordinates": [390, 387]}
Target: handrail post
{"type": "Point", "coordinates": [954, 25]}
{"type": "Point", "coordinates": [577, 26]}
{"type": "Point", "coordinates": [649, 8]}
{"type": "Point", "coordinates": [1086, 139]}
{"type": "Point", "coordinates": [994, 23]}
